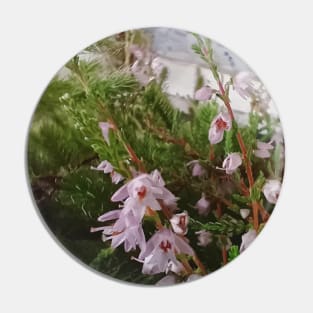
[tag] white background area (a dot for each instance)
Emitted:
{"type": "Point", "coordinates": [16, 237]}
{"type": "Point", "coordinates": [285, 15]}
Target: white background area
{"type": "Point", "coordinates": [275, 274]}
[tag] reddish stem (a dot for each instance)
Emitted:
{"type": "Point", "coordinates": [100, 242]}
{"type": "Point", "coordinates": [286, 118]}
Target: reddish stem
{"type": "Point", "coordinates": [255, 207]}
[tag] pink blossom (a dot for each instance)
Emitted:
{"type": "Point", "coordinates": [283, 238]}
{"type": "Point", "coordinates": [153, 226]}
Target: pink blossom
{"type": "Point", "coordinates": [160, 251]}
{"type": "Point", "coordinates": [107, 168]}
{"type": "Point", "coordinates": [219, 124]}
{"type": "Point", "coordinates": [157, 66]}
{"type": "Point", "coordinates": [247, 239]}
{"type": "Point", "coordinates": [167, 280]}
{"type": "Point", "coordinates": [244, 213]}
{"type": "Point", "coordinates": [144, 191]}
{"type": "Point", "coordinates": [263, 149]}
{"type": "Point", "coordinates": [203, 206]}
{"type": "Point", "coordinates": [193, 277]}
{"type": "Point", "coordinates": [116, 177]}
{"type": "Point", "coordinates": [204, 93]}
{"type": "Point", "coordinates": [146, 66]}
{"type": "Point", "coordinates": [127, 229]}
{"type": "Point", "coordinates": [179, 223]}
{"type": "Point", "coordinates": [105, 127]}
{"type": "Point", "coordinates": [232, 162]}
{"type": "Point", "coordinates": [244, 84]}
{"type": "Point", "coordinates": [204, 238]}
{"type": "Point", "coordinates": [271, 190]}
{"type": "Point", "coordinates": [197, 169]}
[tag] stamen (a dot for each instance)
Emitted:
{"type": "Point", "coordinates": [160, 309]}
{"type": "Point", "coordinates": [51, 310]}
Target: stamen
{"type": "Point", "coordinates": [165, 246]}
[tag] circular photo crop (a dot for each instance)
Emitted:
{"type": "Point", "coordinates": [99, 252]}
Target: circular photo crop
{"type": "Point", "coordinates": [155, 156]}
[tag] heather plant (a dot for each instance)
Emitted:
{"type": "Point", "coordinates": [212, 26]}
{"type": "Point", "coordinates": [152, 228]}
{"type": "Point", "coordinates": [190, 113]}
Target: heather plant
{"type": "Point", "coordinates": [138, 188]}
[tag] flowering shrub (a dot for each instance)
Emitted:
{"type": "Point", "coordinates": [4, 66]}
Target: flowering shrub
{"type": "Point", "coordinates": [141, 190]}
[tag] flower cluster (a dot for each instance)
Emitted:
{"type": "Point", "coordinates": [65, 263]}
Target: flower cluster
{"type": "Point", "coordinates": [142, 195]}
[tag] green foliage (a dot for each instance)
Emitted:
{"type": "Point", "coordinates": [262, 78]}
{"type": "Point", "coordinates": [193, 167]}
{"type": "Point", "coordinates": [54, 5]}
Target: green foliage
{"type": "Point", "coordinates": [233, 252]}
{"type": "Point", "coordinates": [65, 141]}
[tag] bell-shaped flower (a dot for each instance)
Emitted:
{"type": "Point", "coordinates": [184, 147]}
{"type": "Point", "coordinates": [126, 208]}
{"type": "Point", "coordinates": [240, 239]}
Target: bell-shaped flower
{"type": "Point", "coordinates": [193, 277]}
{"type": "Point", "coordinates": [271, 190]}
{"type": "Point", "coordinates": [246, 239]}
{"type": "Point", "coordinates": [244, 213]}
{"type": "Point", "coordinates": [179, 223]}
{"type": "Point", "coordinates": [263, 150]}
{"type": "Point", "coordinates": [105, 128]}
{"type": "Point", "coordinates": [203, 206]}
{"type": "Point", "coordinates": [107, 168]}
{"type": "Point", "coordinates": [197, 169]}
{"type": "Point", "coordinates": [160, 252]}
{"type": "Point", "coordinates": [204, 237]}
{"type": "Point", "coordinates": [204, 93]}
{"type": "Point", "coordinates": [127, 229]}
{"type": "Point", "coordinates": [232, 162]}
{"type": "Point", "coordinates": [144, 191]}
{"type": "Point", "coordinates": [220, 123]}
{"type": "Point", "coordinates": [167, 280]}
{"type": "Point", "coordinates": [245, 84]}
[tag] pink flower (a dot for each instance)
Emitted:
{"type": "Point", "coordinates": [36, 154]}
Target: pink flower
{"type": "Point", "coordinates": [193, 277]}
{"type": "Point", "coordinates": [105, 127]}
{"type": "Point", "coordinates": [271, 190]}
{"type": "Point", "coordinates": [160, 251]}
{"type": "Point", "coordinates": [127, 229]}
{"type": "Point", "coordinates": [144, 191]}
{"type": "Point", "coordinates": [167, 280]}
{"type": "Point", "coordinates": [157, 66]}
{"type": "Point", "coordinates": [232, 162]}
{"type": "Point", "coordinates": [107, 168]}
{"type": "Point", "coordinates": [263, 150]}
{"type": "Point", "coordinates": [244, 84]}
{"type": "Point", "coordinates": [204, 238]}
{"type": "Point", "coordinates": [244, 213]}
{"type": "Point", "coordinates": [204, 93]}
{"type": "Point", "coordinates": [146, 67]}
{"type": "Point", "coordinates": [104, 166]}
{"type": "Point", "coordinates": [247, 239]}
{"type": "Point", "coordinates": [179, 223]}
{"type": "Point", "coordinates": [203, 206]}
{"type": "Point", "coordinates": [197, 169]}
{"type": "Point", "coordinates": [219, 124]}
{"type": "Point", "coordinates": [116, 177]}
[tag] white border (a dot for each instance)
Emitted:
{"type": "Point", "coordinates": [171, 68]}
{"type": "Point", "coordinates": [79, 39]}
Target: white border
{"type": "Point", "coordinates": [274, 37]}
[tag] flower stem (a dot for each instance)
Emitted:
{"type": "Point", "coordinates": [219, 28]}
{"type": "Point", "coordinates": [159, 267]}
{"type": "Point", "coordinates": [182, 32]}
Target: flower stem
{"type": "Point", "coordinates": [255, 207]}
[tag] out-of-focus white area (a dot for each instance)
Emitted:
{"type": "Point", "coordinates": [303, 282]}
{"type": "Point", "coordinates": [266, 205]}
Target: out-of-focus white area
{"type": "Point", "coordinates": [174, 47]}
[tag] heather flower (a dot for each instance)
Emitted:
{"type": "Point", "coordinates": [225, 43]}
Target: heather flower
{"type": "Point", "coordinates": [271, 190]}
{"type": "Point", "coordinates": [160, 251]}
{"type": "Point", "coordinates": [247, 239]}
{"type": "Point", "coordinates": [179, 223]}
{"type": "Point", "coordinates": [244, 84]}
{"type": "Point", "coordinates": [157, 66]}
{"type": "Point", "coordinates": [219, 124]}
{"type": "Point", "coordinates": [127, 229]}
{"type": "Point", "coordinates": [193, 277]}
{"type": "Point", "coordinates": [263, 150]}
{"type": "Point", "coordinates": [204, 93]}
{"type": "Point", "coordinates": [203, 206]}
{"type": "Point", "coordinates": [197, 169]}
{"type": "Point", "coordinates": [167, 280]}
{"type": "Point", "coordinates": [107, 168]}
{"type": "Point", "coordinates": [232, 162]}
{"type": "Point", "coordinates": [204, 238]}
{"type": "Point", "coordinates": [146, 67]}
{"type": "Point", "coordinates": [142, 192]}
{"type": "Point", "coordinates": [105, 127]}
{"type": "Point", "coordinates": [244, 213]}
